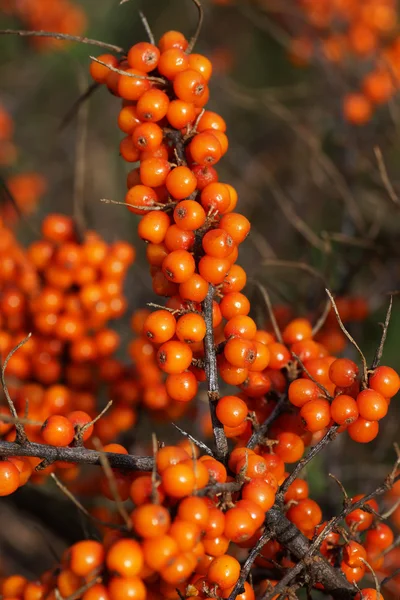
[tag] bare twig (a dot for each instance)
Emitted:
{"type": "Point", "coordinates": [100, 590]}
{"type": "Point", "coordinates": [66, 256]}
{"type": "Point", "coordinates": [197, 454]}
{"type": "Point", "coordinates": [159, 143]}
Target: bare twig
{"type": "Point", "coordinates": [257, 436]}
{"type": "Point", "coordinates": [221, 443]}
{"type": "Point", "coordinates": [349, 337]}
{"type": "Point", "coordinates": [76, 105]}
{"type": "Point", "coordinates": [328, 437]}
{"type": "Point", "coordinates": [78, 455]}
{"type": "Point", "coordinates": [194, 39]}
{"type": "Point", "coordinates": [321, 321]}
{"type": "Point", "coordinates": [17, 208]}
{"type": "Point", "coordinates": [385, 177]}
{"type": "Point", "coordinates": [379, 352]}
{"type": "Point", "coordinates": [108, 472]}
{"type": "Point", "coordinates": [198, 443]}
{"type": "Point", "coordinates": [244, 573]}
{"type": "Point", "coordinates": [284, 582]}
{"type": "Point", "coordinates": [268, 303]}
{"type": "Point", "coordinates": [146, 27]}
{"type": "Point", "coordinates": [156, 206]}
{"type": "Point", "coordinates": [80, 507]}
{"type": "Point", "coordinates": [80, 163]}
{"type": "Point", "coordinates": [127, 74]}
{"type": "Point", "coordinates": [21, 437]}
{"type": "Point", "coordinates": [62, 36]}
{"type": "Point", "coordinates": [81, 430]}
{"type": "Point", "coordinates": [307, 372]}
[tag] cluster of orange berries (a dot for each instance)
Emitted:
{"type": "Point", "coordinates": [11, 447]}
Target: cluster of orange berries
{"type": "Point", "coordinates": [348, 33]}
{"type": "Point", "coordinates": [182, 536]}
{"type": "Point", "coordinates": [61, 16]}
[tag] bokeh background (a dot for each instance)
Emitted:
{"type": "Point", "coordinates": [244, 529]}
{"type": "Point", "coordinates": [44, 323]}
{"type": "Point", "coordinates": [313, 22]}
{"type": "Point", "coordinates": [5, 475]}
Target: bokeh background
{"type": "Point", "coordinates": [319, 190]}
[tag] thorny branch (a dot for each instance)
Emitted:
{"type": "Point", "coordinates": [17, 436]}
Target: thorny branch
{"type": "Point", "coordinates": [221, 443]}
{"type": "Point", "coordinates": [258, 435]}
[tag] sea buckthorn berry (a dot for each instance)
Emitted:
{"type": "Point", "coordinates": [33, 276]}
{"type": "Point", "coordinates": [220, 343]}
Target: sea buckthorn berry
{"type": "Point", "coordinates": [240, 352]}
{"type": "Point", "coordinates": [58, 228]}
{"type": "Point", "coordinates": [231, 410]}
{"type": "Point", "coordinates": [172, 39]}
{"type": "Point", "coordinates": [189, 215]}
{"type": "Point", "coordinates": [170, 455]}
{"type": "Point", "coordinates": [279, 356]}
{"type": "Point", "coordinates": [158, 551]}
{"type": "Point", "coordinates": [211, 120]}
{"type": "Point", "coordinates": [214, 270]}
{"type": "Point", "coordinates": [236, 225]}
{"type": "Point", "coordinates": [126, 588]}
{"type": "Point", "coordinates": [234, 304]}
{"type": "Point", "coordinates": [381, 536]}
{"type": "Point", "coordinates": [181, 182]}
{"type": "Point", "coordinates": [178, 266]}
{"type": "Point", "coordinates": [232, 375]}
{"type": "Point", "coordinates": [201, 64]}
{"type": "Point", "coordinates": [239, 525]}
{"type": "Point", "coordinates": [155, 254]}
{"type": "Point", "coordinates": [290, 447]}
{"type": "Point", "coordinates": [218, 243]}
{"type": "Point", "coordinates": [178, 480]}
{"type": "Point", "coordinates": [215, 196]}
{"type": "Point", "coordinates": [360, 519]}
{"type": "Point", "coordinates": [9, 478]}
{"type": "Point", "coordinates": [253, 466]}
{"type": "Point", "coordinates": [369, 594]}
{"type": "Point", "coordinates": [178, 239]}
{"type": "Point", "coordinates": [147, 136]}
{"type": "Point", "coordinates": [154, 171]}
{"type": "Point", "coordinates": [343, 372]}
{"type": "Point", "coordinates": [152, 105]}
{"type": "Point", "coordinates": [180, 114]}
{"type": "Point", "coordinates": [297, 490]}
{"type": "Point", "coordinates": [354, 554]}
{"type": "Point", "coordinates": [297, 330]}
{"type": "Point", "coordinates": [195, 288]}
{"type": "Point", "coordinates": [128, 151]}
{"type": "Point", "coordinates": [357, 109]}
{"type": "Point", "coordinates": [205, 149]}
{"type": "Point", "coordinates": [262, 357]}
{"type": "Point", "coordinates": [260, 492]}
{"type": "Point", "coordinates": [186, 533]}
{"type": "Point", "coordinates": [172, 62]}
{"type": "Point", "coordinates": [57, 431]}
{"type": "Point", "coordinates": [316, 414]}
{"type": "Point", "coordinates": [204, 175]}
{"type": "Point", "coordinates": [190, 86]}
{"type": "Point", "coordinates": [80, 419]}
{"type": "Point", "coordinates": [143, 56]}
{"type": "Point", "coordinates": [224, 571]}
{"type": "Point", "coordinates": [302, 391]}
{"type": "Point", "coordinates": [85, 557]}
{"type": "Point", "coordinates": [240, 326]}
{"type": "Point", "coordinates": [174, 357]}
{"type": "Point", "coordinates": [159, 326]}
{"type": "Point", "coordinates": [181, 387]}
{"type": "Point", "coordinates": [191, 328]}
{"type": "Point", "coordinates": [344, 410]}
{"type": "Point", "coordinates": [125, 557]}
{"type": "Point", "coordinates": [151, 520]}
{"type": "Point", "coordinates": [363, 431]}
{"type": "Point", "coordinates": [372, 405]}
{"type": "Point", "coordinates": [133, 85]}
{"type": "Point", "coordinates": [235, 280]}
{"type": "Point", "coordinates": [306, 515]}
{"type": "Point", "coordinates": [154, 226]}
{"type": "Point", "coordinates": [100, 72]}
{"type": "Point", "coordinates": [385, 381]}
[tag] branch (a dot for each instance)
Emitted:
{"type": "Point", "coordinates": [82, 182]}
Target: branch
{"type": "Point", "coordinates": [210, 357]}
{"type": "Point", "coordinates": [194, 39]}
{"type": "Point", "coordinates": [21, 437]}
{"type": "Point", "coordinates": [76, 455]}
{"type": "Point", "coordinates": [62, 36]}
{"type": "Point", "coordinates": [379, 352]}
{"type": "Point", "coordinates": [244, 573]}
{"type": "Point", "coordinates": [262, 431]}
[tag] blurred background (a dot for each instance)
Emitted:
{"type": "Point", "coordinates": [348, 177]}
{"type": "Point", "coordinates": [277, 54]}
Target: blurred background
{"type": "Point", "coordinates": [309, 93]}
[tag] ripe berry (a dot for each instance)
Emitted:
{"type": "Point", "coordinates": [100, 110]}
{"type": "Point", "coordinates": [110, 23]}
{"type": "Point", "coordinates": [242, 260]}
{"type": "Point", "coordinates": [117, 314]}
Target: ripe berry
{"type": "Point", "coordinates": [174, 357]}
{"type": "Point", "coordinates": [385, 381]}
{"type": "Point", "coordinates": [231, 410]}
{"type": "Point", "coordinates": [224, 571]}
{"type": "Point", "coordinates": [371, 405]}
{"type": "Point", "coordinates": [9, 478]}
{"type": "Point", "coordinates": [343, 372]}
{"type": "Point", "coordinates": [58, 431]}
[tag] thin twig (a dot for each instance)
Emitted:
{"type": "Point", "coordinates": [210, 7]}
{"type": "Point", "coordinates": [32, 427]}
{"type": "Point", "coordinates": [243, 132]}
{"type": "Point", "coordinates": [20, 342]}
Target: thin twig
{"type": "Point", "coordinates": [284, 582]}
{"type": "Point", "coordinates": [379, 352]}
{"type": "Point", "coordinates": [268, 303]}
{"type": "Point", "coordinates": [257, 436]}
{"type": "Point", "coordinates": [390, 577]}
{"type": "Point", "coordinates": [62, 36]}
{"type": "Point", "coordinates": [84, 588]}
{"type": "Point", "coordinates": [17, 208]}
{"type": "Point", "coordinates": [321, 321]}
{"type": "Point", "coordinates": [385, 177]}
{"type": "Point", "coordinates": [221, 443]}
{"type": "Point", "coordinates": [198, 443]}
{"type": "Point", "coordinates": [21, 437]}
{"type": "Point", "coordinates": [307, 372]}
{"type": "Point", "coordinates": [244, 573]}
{"type": "Point", "coordinates": [80, 170]}
{"type": "Point", "coordinates": [146, 27]}
{"type": "Point", "coordinates": [156, 206]}
{"type": "Point", "coordinates": [349, 337]}
{"type": "Point", "coordinates": [194, 39]}
{"type": "Point", "coordinates": [126, 73]}
{"type": "Point", "coordinates": [76, 105]}
{"type": "Point", "coordinates": [81, 508]}
{"type": "Point", "coordinates": [328, 437]}
{"type": "Point", "coordinates": [81, 430]}
{"type": "Point", "coordinates": [108, 472]}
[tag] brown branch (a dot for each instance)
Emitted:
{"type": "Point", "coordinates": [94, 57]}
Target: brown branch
{"type": "Point", "coordinates": [385, 177]}
{"type": "Point", "coordinates": [328, 437]}
{"type": "Point", "coordinates": [210, 357]}
{"type": "Point", "coordinates": [284, 582]}
{"type": "Point", "coordinates": [270, 310]}
{"type": "Point", "coordinates": [307, 372]}
{"type": "Point", "coordinates": [76, 105]}
{"type": "Point", "coordinates": [62, 36]}
{"type": "Point", "coordinates": [244, 573]}
{"type": "Point", "coordinates": [194, 39]}
{"type": "Point", "coordinates": [198, 443]}
{"type": "Point", "coordinates": [77, 455]}
{"type": "Point", "coordinates": [379, 351]}
{"type": "Point", "coordinates": [146, 26]}
{"type": "Point", "coordinates": [262, 431]}
{"type": "Point", "coordinates": [127, 74]}
{"type": "Point", "coordinates": [321, 321]}
{"type": "Point", "coordinates": [21, 437]}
